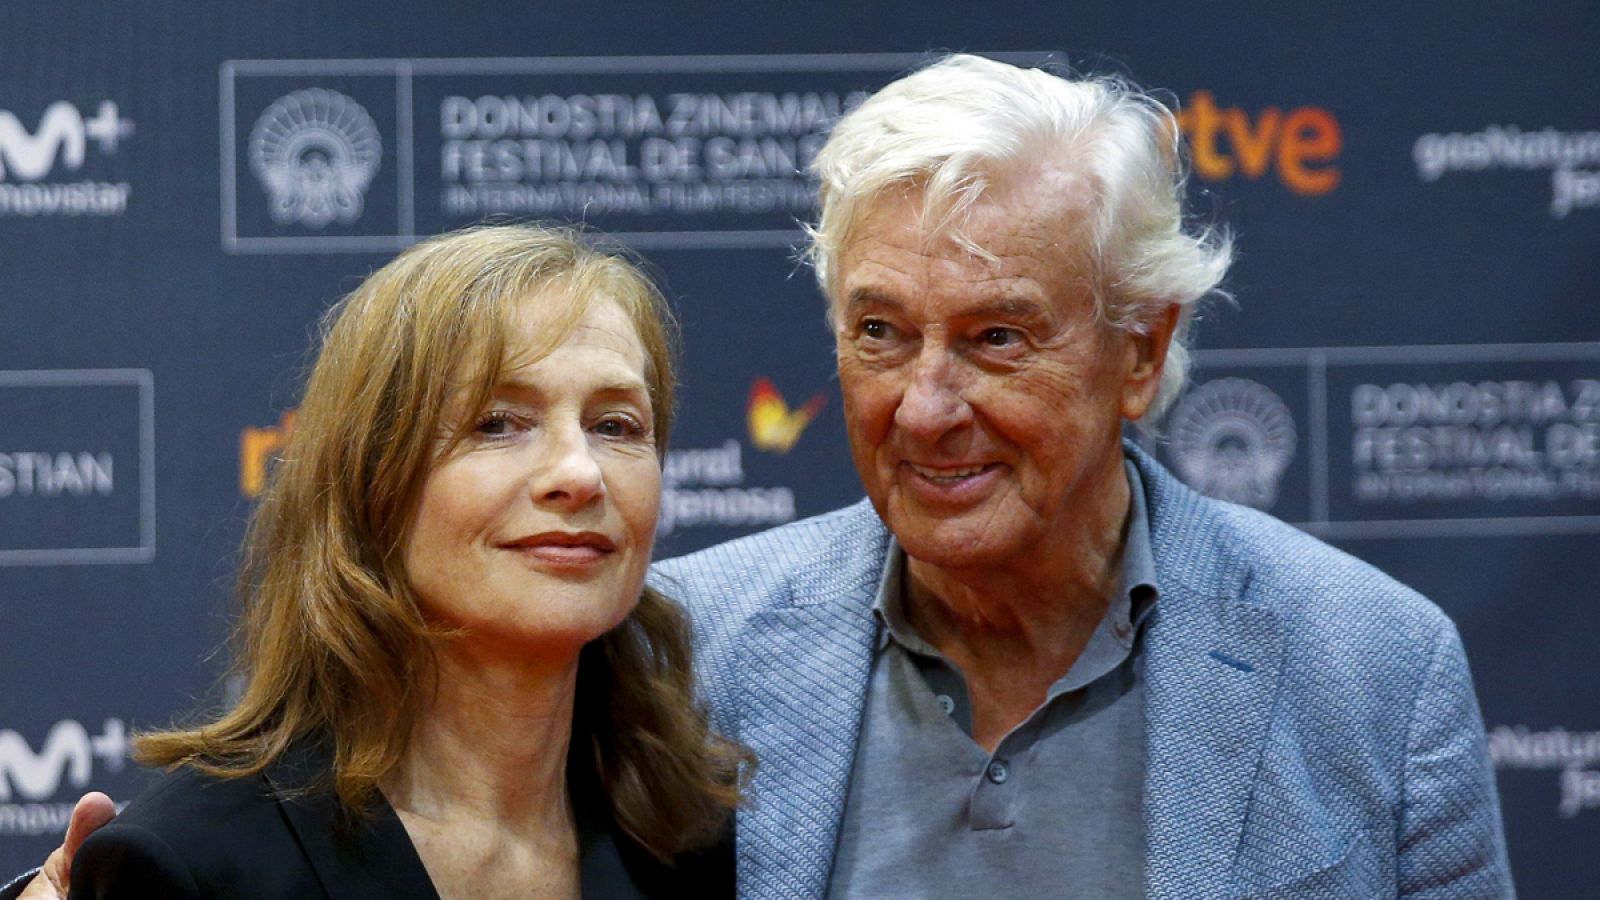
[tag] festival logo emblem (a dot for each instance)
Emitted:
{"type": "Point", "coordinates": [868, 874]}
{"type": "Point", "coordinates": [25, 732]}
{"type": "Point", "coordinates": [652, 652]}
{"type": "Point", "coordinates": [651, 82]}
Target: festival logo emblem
{"type": "Point", "coordinates": [1232, 439]}
{"type": "Point", "coordinates": [315, 152]}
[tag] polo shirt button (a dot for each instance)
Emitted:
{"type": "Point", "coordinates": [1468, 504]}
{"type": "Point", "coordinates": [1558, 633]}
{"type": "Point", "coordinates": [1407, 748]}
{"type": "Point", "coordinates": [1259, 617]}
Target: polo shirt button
{"type": "Point", "coordinates": [999, 771]}
{"type": "Point", "coordinates": [947, 704]}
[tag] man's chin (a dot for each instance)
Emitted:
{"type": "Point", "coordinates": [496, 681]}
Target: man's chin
{"type": "Point", "coordinates": [955, 545]}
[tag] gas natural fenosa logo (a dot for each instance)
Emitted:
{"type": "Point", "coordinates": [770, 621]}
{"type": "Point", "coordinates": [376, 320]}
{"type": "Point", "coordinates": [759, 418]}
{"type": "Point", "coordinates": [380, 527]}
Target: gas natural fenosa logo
{"type": "Point", "coordinates": [773, 426]}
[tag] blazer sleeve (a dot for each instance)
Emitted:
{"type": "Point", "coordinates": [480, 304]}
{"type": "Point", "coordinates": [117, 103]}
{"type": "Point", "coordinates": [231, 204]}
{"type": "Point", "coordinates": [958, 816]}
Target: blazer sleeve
{"type": "Point", "coordinates": [124, 862]}
{"type": "Point", "coordinates": [1451, 841]}
{"type": "Point", "coordinates": [12, 890]}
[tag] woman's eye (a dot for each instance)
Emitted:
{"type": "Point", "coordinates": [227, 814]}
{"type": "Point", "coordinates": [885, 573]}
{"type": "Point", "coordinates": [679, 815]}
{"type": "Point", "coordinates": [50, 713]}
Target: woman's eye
{"type": "Point", "coordinates": [496, 423]}
{"type": "Point", "coordinates": [618, 426]}
{"type": "Point", "coordinates": [877, 329]}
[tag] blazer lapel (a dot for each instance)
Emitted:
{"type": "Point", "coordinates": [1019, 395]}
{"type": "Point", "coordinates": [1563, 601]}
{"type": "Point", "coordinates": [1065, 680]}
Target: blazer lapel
{"type": "Point", "coordinates": [1211, 664]}
{"type": "Point", "coordinates": [371, 859]}
{"type": "Point", "coordinates": [1211, 673]}
{"type": "Point", "coordinates": [803, 670]}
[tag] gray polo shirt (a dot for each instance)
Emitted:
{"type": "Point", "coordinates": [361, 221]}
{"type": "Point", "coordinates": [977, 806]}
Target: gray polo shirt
{"type": "Point", "coordinates": [1055, 811]}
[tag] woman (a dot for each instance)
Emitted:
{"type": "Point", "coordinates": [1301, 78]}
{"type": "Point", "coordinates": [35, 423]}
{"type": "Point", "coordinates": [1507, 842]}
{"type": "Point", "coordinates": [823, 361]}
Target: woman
{"type": "Point", "coordinates": [457, 683]}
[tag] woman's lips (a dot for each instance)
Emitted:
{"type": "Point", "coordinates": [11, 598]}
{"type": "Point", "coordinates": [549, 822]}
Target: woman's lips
{"type": "Point", "coordinates": [564, 549]}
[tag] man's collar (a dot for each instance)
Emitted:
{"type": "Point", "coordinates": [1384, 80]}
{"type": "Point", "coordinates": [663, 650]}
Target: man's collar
{"type": "Point", "coordinates": [1132, 603]}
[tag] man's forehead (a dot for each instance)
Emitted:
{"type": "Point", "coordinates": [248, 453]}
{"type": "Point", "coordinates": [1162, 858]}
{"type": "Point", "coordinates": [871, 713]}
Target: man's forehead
{"type": "Point", "coordinates": [1034, 208]}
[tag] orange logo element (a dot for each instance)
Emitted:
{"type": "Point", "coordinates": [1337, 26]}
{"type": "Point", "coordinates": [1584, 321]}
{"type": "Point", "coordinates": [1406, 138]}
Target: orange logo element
{"type": "Point", "coordinates": [773, 426]}
{"type": "Point", "coordinates": [258, 447]}
{"type": "Point", "coordinates": [1302, 146]}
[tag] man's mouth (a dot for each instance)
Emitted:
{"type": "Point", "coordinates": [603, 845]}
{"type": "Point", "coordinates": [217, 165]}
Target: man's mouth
{"type": "Point", "coordinates": [949, 474]}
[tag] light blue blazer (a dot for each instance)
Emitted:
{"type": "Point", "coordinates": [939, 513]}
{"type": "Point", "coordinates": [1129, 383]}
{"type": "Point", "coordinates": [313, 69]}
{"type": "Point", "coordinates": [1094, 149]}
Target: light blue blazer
{"type": "Point", "coordinates": [1311, 729]}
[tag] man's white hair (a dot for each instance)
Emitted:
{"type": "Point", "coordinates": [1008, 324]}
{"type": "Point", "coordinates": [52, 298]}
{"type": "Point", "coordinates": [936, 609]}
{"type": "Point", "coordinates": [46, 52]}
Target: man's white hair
{"type": "Point", "coordinates": [955, 127]}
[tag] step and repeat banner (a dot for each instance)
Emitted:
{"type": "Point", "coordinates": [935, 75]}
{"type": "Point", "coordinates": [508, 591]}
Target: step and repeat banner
{"type": "Point", "coordinates": [1411, 370]}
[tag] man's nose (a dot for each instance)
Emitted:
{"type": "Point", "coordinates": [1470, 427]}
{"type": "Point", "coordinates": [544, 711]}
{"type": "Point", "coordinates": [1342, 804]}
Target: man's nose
{"type": "Point", "coordinates": [932, 404]}
{"type": "Point", "coordinates": [566, 475]}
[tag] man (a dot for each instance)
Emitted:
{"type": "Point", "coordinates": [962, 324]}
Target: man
{"type": "Point", "coordinates": [1032, 663]}
{"type": "Point", "coordinates": [1036, 665]}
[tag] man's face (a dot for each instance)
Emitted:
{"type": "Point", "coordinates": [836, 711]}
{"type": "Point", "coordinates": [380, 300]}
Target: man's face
{"type": "Point", "coordinates": [984, 401]}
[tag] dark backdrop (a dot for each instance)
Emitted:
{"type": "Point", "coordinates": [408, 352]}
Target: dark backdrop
{"type": "Point", "coordinates": [1411, 370]}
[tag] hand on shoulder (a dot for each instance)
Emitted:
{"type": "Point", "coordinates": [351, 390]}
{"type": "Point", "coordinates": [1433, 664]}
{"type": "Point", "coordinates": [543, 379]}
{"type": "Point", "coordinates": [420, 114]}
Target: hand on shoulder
{"type": "Point", "coordinates": [93, 810]}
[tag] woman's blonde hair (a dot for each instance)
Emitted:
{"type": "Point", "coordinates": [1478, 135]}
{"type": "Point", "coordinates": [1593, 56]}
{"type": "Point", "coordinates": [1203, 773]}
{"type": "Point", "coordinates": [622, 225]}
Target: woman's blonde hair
{"type": "Point", "coordinates": [332, 645]}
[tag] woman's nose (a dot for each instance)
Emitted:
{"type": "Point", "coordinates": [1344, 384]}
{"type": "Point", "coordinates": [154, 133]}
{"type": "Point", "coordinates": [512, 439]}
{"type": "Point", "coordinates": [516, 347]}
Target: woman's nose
{"type": "Point", "coordinates": [567, 474]}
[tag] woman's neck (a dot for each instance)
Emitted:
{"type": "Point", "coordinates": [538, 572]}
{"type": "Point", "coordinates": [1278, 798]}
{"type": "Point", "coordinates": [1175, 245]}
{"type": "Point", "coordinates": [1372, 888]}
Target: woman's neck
{"type": "Point", "coordinates": [491, 745]}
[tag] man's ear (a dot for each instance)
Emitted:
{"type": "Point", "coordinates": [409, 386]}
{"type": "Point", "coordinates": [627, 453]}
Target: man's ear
{"type": "Point", "coordinates": [1146, 358]}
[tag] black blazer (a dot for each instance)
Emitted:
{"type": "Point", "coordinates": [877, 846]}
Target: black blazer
{"type": "Point", "coordinates": [277, 835]}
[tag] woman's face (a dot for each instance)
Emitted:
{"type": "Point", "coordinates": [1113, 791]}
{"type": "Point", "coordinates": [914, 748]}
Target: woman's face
{"type": "Point", "coordinates": [535, 531]}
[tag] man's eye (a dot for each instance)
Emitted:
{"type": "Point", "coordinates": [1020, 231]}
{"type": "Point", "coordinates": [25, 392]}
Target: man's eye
{"type": "Point", "coordinates": [877, 329]}
{"type": "Point", "coordinates": [1000, 337]}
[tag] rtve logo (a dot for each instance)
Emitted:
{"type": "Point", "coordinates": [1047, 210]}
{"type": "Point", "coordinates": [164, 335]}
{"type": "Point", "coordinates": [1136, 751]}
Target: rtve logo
{"type": "Point", "coordinates": [63, 132]}
{"type": "Point", "coordinates": [258, 451]}
{"type": "Point", "coordinates": [68, 752]}
{"type": "Point", "coordinates": [1300, 147]}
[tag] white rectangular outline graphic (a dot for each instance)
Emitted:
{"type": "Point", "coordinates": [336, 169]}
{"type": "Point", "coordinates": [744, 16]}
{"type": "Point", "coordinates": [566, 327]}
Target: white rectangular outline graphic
{"type": "Point", "coordinates": [404, 72]}
{"type": "Point", "coordinates": [145, 380]}
{"type": "Point", "coordinates": [1317, 360]}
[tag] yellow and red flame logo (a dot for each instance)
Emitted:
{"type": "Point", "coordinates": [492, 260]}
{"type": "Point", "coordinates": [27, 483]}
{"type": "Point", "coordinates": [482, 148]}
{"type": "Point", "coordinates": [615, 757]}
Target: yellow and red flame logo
{"type": "Point", "coordinates": [775, 427]}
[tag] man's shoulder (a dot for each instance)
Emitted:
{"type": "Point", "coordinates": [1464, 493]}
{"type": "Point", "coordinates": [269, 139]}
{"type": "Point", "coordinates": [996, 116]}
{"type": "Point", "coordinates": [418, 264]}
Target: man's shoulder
{"type": "Point", "coordinates": [1289, 567]}
{"type": "Point", "coordinates": [834, 543]}
{"type": "Point", "coordinates": [1203, 543]}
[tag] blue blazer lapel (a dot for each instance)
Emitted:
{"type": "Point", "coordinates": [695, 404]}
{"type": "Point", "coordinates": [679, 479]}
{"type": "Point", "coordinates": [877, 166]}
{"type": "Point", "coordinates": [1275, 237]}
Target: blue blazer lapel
{"type": "Point", "coordinates": [1212, 665]}
{"type": "Point", "coordinates": [803, 670]}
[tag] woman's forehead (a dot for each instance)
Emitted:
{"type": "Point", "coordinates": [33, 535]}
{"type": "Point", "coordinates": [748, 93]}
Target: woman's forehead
{"type": "Point", "coordinates": [543, 324]}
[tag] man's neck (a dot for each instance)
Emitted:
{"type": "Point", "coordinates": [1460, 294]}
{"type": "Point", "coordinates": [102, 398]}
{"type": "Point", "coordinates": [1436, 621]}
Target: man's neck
{"type": "Point", "coordinates": [1014, 630]}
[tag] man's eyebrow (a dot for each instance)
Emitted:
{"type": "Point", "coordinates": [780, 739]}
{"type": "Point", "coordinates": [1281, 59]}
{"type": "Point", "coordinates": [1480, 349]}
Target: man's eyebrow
{"type": "Point", "coordinates": [1009, 307]}
{"type": "Point", "coordinates": [868, 296]}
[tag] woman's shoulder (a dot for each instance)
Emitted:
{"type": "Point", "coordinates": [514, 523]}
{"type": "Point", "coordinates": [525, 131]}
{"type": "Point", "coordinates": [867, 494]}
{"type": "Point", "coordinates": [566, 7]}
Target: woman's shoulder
{"type": "Point", "coordinates": [185, 795]}
{"type": "Point", "coordinates": [190, 835]}
{"type": "Point", "coordinates": [195, 835]}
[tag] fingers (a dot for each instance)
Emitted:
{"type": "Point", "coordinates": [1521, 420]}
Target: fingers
{"type": "Point", "coordinates": [93, 810]}
{"type": "Point", "coordinates": [40, 888]}
{"type": "Point", "coordinates": [51, 882]}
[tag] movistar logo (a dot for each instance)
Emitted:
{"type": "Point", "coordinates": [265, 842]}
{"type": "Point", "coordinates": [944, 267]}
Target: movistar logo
{"type": "Point", "coordinates": [68, 753]}
{"type": "Point", "coordinates": [64, 134]}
